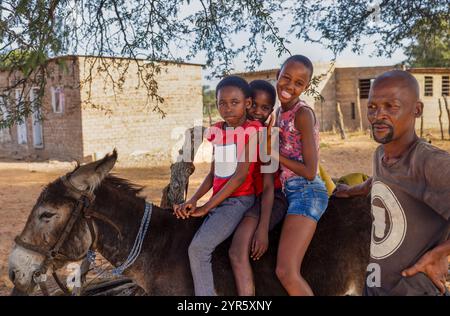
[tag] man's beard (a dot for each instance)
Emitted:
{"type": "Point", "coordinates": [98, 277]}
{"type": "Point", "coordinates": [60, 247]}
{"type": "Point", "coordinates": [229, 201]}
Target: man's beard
{"type": "Point", "coordinates": [386, 139]}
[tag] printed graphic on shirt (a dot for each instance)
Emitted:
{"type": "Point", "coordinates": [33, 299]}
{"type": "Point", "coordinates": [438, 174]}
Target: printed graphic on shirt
{"type": "Point", "coordinates": [225, 160]}
{"type": "Point", "coordinates": [389, 224]}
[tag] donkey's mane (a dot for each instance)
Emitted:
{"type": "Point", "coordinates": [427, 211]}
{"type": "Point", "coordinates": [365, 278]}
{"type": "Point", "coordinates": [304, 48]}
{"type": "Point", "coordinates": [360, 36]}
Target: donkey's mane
{"type": "Point", "coordinates": [56, 191]}
{"type": "Point", "coordinates": [121, 184]}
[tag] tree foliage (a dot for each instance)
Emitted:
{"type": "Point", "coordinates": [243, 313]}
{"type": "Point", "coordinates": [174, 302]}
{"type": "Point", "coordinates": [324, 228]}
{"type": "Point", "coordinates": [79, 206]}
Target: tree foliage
{"type": "Point", "coordinates": [31, 31]}
{"type": "Point", "coordinates": [430, 51]}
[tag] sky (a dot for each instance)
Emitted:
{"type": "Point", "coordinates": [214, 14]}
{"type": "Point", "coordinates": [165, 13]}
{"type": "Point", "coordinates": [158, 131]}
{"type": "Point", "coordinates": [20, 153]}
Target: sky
{"type": "Point", "coordinates": [316, 52]}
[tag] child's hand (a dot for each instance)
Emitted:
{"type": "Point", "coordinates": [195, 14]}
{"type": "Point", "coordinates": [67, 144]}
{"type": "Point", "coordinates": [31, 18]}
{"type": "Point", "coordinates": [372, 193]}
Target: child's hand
{"type": "Point", "coordinates": [260, 243]}
{"type": "Point", "coordinates": [183, 210]}
{"type": "Point", "coordinates": [342, 191]}
{"type": "Point", "coordinates": [199, 211]}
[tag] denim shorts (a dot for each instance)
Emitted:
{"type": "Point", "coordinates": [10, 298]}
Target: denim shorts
{"type": "Point", "coordinates": [307, 198]}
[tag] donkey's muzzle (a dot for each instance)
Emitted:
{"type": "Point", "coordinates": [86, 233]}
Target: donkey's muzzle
{"type": "Point", "coordinates": [16, 292]}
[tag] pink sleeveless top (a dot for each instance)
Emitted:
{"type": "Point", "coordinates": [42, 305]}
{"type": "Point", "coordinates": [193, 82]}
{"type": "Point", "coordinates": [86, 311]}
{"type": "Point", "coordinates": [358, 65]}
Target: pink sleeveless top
{"type": "Point", "coordinates": [291, 138]}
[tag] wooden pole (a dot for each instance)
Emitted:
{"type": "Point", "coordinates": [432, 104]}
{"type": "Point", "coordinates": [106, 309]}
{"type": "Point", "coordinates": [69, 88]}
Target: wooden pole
{"type": "Point", "coordinates": [440, 119]}
{"type": "Point", "coordinates": [358, 109]}
{"type": "Point", "coordinates": [448, 113]}
{"type": "Point", "coordinates": [340, 120]}
{"type": "Point", "coordinates": [175, 192]}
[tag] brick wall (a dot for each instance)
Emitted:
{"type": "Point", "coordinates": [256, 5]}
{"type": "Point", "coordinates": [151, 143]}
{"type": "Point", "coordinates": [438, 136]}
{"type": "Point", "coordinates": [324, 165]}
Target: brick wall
{"type": "Point", "coordinates": [61, 131]}
{"type": "Point", "coordinates": [123, 121]}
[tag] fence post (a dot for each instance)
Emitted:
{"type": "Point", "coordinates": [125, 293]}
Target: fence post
{"type": "Point", "coordinates": [358, 109]}
{"type": "Point", "coordinates": [448, 113]}
{"type": "Point", "coordinates": [440, 119]}
{"type": "Point", "coordinates": [340, 120]}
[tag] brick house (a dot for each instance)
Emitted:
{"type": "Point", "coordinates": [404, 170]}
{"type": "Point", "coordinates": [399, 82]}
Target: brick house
{"type": "Point", "coordinates": [83, 118]}
{"type": "Point", "coordinates": [341, 84]}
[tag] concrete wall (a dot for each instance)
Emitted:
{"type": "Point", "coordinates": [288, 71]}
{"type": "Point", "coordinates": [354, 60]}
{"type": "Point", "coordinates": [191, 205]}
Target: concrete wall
{"type": "Point", "coordinates": [431, 103]}
{"type": "Point", "coordinates": [347, 82]}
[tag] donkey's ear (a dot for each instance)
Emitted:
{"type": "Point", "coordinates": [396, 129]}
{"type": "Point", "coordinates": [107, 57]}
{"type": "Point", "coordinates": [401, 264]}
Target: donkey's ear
{"type": "Point", "coordinates": [89, 176]}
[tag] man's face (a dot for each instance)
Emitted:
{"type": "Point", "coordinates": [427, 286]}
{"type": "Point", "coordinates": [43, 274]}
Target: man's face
{"type": "Point", "coordinates": [392, 111]}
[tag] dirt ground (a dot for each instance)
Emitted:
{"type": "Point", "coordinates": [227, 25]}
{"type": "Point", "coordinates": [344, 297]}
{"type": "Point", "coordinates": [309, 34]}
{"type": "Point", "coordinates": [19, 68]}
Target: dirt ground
{"type": "Point", "coordinates": [22, 182]}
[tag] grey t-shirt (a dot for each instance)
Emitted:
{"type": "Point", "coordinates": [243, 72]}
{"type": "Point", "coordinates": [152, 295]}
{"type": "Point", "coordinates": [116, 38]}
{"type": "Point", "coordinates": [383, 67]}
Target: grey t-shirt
{"type": "Point", "coordinates": [411, 210]}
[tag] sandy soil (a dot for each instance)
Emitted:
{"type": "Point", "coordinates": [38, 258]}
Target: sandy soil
{"type": "Point", "coordinates": [22, 182]}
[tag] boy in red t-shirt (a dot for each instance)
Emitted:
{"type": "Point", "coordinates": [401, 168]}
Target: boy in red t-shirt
{"type": "Point", "coordinates": [231, 177]}
{"type": "Point", "coordinates": [252, 235]}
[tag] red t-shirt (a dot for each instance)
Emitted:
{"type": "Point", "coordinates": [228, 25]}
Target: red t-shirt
{"type": "Point", "coordinates": [229, 145]}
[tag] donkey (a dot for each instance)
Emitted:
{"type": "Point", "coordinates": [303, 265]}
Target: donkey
{"type": "Point", "coordinates": [335, 263]}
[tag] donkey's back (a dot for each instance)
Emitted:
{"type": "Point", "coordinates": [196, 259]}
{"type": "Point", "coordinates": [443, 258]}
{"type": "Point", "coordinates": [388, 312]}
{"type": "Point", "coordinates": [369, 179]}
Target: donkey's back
{"type": "Point", "coordinates": [335, 263]}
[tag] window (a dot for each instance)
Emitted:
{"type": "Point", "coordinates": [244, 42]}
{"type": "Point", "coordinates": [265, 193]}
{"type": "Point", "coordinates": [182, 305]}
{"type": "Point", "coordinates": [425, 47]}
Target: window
{"type": "Point", "coordinates": [364, 88]}
{"type": "Point", "coordinates": [445, 85]}
{"type": "Point", "coordinates": [38, 141]}
{"type": "Point", "coordinates": [21, 126]}
{"type": "Point", "coordinates": [57, 99]}
{"type": "Point", "coordinates": [428, 86]}
{"type": "Point", "coordinates": [5, 135]}
{"type": "Point", "coordinates": [353, 111]}
{"type": "Point", "coordinates": [3, 109]}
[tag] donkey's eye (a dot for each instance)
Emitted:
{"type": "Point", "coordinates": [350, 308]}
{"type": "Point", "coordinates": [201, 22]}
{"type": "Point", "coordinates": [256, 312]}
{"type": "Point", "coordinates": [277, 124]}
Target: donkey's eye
{"type": "Point", "coordinates": [46, 215]}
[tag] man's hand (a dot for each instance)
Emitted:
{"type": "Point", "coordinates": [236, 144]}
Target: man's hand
{"type": "Point", "coordinates": [435, 265]}
{"type": "Point", "coordinates": [260, 243]}
{"type": "Point", "coordinates": [342, 191]}
{"type": "Point", "coordinates": [183, 210]}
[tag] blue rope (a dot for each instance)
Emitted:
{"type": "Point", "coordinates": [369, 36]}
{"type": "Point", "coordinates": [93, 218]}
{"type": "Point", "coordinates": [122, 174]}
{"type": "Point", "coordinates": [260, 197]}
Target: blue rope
{"type": "Point", "coordinates": [136, 250]}
{"type": "Point", "coordinates": [90, 256]}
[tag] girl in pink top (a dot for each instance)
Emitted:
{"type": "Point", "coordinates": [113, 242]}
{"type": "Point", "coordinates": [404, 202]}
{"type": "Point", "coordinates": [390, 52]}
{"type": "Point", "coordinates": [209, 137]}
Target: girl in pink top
{"type": "Point", "coordinates": [299, 155]}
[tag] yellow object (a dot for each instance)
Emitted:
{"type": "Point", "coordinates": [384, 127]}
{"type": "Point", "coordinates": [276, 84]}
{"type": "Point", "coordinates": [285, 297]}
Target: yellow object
{"type": "Point", "coordinates": [352, 179]}
{"type": "Point", "coordinates": [327, 179]}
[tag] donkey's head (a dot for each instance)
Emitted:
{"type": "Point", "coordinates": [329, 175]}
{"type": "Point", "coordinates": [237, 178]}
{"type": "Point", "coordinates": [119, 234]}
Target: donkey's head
{"type": "Point", "coordinates": [48, 221]}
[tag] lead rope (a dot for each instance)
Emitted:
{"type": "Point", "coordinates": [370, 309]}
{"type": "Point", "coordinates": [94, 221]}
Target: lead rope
{"type": "Point", "coordinates": [136, 250]}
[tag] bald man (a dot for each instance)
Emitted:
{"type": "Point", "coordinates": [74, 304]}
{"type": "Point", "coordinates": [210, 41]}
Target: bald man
{"type": "Point", "coordinates": [410, 195]}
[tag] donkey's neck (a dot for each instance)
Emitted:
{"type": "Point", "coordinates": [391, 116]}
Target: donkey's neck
{"type": "Point", "coordinates": [123, 209]}
{"type": "Point", "coordinates": [165, 247]}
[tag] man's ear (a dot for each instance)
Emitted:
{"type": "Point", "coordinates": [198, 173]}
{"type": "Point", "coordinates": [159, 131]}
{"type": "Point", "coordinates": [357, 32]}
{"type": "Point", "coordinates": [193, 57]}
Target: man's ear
{"type": "Point", "coordinates": [418, 109]}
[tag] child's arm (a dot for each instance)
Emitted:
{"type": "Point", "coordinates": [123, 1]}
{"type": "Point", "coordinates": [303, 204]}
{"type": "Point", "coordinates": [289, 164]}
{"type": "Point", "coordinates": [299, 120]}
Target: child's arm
{"type": "Point", "coordinates": [304, 122]}
{"type": "Point", "coordinates": [235, 182]}
{"type": "Point", "coordinates": [181, 211]}
{"type": "Point", "coordinates": [260, 240]}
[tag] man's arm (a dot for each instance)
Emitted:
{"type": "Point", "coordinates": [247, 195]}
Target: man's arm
{"type": "Point", "coordinates": [345, 191]}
